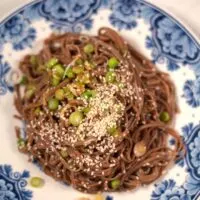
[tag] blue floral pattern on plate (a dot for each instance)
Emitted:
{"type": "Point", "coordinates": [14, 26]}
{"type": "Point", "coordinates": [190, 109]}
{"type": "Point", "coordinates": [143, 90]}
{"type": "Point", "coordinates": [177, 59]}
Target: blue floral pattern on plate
{"type": "Point", "coordinates": [168, 190]}
{"type": "Point", "coordinates": [65, 15]}
{"type": "Point", "coordinates": [168, 42]}
{"type": "Point", "coordinates": [192, 92]}
{"type": "Point", "coordinates": [172, 42]}
{"type": "Point", "coordinates": [125, 13]}
{"type": "Point", "coordinates": [12, 184]}
{"type": "Point", "coordinates": [4, 69]}
{"type": "Point", "coordinates": [193, 150]}
{"type": "Point", "coordinates": [18, 32]}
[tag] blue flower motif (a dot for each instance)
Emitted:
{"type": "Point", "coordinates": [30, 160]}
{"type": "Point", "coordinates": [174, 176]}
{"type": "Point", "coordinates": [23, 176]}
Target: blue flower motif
{"type": "Point", "coordinates": [12, 185]}
{"type": "Point", "coordinates": [65, 15]}
{"type": "Point", "coordinates": [167, 190]}
{"type": "Point", "coordinates": [7, 195]}
{"type": "Point", "coordinates": [26, 41]}
{"type": "Point", "coordinates": [158, 57]}
{"type": "Point", "coordinates": [18, 32]}
{"type": "Point", "coordinates": [174, 41]}
{"type": "Point", "coordinates": [192, 92]}
{"type": "Point", "coordinates": [192, 186]}
{"type": "Point", "coordinates": [192, 140]}
{"type": "Point", "coordinates": [2, 185]}
{"type": "Point", "coordinates": [68, 10]}
{"type": "Point", "coordinates": [161, 188]}
{"type": "Point", "coordinates": [125, 13]}
{"type": "Point", "coordinates": [175, 194]}
{"type": "Point", "coordinates": [194, 148]}
{"type": "Point", "coordinates": [4, 69]}
{"type": "Point", "coordinates": [14, 27]}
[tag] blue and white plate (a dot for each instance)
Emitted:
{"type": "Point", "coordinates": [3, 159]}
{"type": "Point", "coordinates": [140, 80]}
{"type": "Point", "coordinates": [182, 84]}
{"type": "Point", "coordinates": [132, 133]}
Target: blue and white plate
{"type": "Point", "coordinates": [157, 35]}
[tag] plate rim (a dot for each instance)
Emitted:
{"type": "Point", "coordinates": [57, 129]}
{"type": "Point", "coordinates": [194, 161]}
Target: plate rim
{"type": "Point", "coordinates": [182, 25]}
{"type": "Point", "coordinates": [177, 21]}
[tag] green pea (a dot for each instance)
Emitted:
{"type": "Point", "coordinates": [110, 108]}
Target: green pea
{"type": "Point", "coordinates": [76, 118]}
{"type": "Point", "coordinates": [36, 182]}
{"type": "Point", "coordinates": [60, 94]}
{"type": "Point", "coordinates": [69, 73]}
{"type": "Point", "coordinates": [79, 61]}
{"type": "Point", "coordinates": [51, 63]}
{"type": "Point", "coordinates": [113, 63]}
{"type": "Point", "coordinates": [23, 80]}
{"type": "Point", "coordinates": [115, 184]}
{"type": "Point", "coordinates": [110, 77]}
{"type": "Point", "coordinates": [55, 80]}
{"type": "Point", "coordinates": [86, 110]}
{"type": "Point", "coordinates": [88, 49]}
{"type": "Point", "coordinates": [78, 69]}
{"type": "Point", "coordinates": [21, 143]}
{"type": "Point", "coordinates": [164, 117]}
{"type": "Point", "coordinates": [88, 94]}
{"type": "Point", "coordinates": [53, 104]}
{"type": "Point", "coordinates": [63, 153]}
{"type": "Point", "coordinates": [59, 70]}
{"type": "Point", "coordinates": [33, 60]}
{"type": "Point", "coordinates": [37, 111]}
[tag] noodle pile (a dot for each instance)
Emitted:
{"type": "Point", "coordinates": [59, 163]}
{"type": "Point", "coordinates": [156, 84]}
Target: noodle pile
{"type": "Point", "coordinates": [126, 113]}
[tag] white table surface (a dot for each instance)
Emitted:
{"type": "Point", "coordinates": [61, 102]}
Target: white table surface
{"type": "Point", "coordinates": [186, 11]}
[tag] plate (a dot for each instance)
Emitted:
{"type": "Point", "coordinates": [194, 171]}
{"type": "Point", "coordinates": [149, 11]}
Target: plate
{"type": "Point", "coordinates": [154, 33]}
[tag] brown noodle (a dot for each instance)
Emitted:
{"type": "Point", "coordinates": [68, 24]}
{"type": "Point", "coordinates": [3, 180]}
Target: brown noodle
{"type": "Point", "coordinates": [153, 94]}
